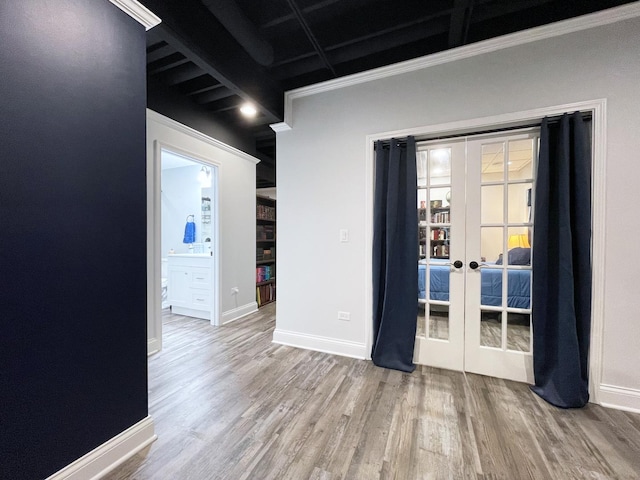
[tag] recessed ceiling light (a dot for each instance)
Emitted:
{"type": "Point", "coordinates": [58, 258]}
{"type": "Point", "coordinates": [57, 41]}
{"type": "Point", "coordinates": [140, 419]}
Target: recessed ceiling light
{"type": "Point", "coordinates": [248, 110]}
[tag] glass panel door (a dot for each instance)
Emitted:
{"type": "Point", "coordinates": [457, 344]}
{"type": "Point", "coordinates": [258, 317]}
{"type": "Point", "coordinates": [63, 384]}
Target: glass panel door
{"type": "Point", "coordinates": [475, 223]}
{"type": "Point", "coordinates": [440, 332]}
{"type": "Point", "coordinates": [499, 233]}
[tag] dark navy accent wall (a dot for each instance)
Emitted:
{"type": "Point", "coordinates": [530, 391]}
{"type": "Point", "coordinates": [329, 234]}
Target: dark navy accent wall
{"type": "Point", "coordinates": [72, 231]}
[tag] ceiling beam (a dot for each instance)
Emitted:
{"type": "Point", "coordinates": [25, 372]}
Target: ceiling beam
{"type": "Point", "coordinates": [459, 25]}
{"type": "Point", "coordinates": [180, 74]}
{"type": "Point", "coordinates": [167, 63]}
{"type": "Point", "coordinates": [201, 85]}
{"type": "Point", "coordinates": [213, 95]}
{"type": "Point", "coordinates": [275, 22]}
{"type": "Point", "coordinates": [312, 38]}
{"type": "Point", "coordinates": [424, 29]}
{"type": "Point", "coordinates": [246, 34]}
{"type": "Point", "coordinates": [412, 31]}
{"type": "Point", "coordinates": [158, 50]}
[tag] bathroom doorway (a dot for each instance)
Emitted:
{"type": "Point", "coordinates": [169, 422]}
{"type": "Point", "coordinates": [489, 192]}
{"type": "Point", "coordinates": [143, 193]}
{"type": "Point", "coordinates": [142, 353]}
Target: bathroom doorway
{"type": "Point", "coordinates": [188, 235]}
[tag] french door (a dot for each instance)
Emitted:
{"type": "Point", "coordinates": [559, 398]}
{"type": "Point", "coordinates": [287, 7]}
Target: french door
{"type": "Point", "coordinates": [475, 222]}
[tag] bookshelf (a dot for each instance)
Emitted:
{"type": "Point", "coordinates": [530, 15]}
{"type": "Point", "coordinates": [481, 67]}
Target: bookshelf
{"type": "Point", "coordinates": [434, 228]}
{"type": "Point", "coordinates": [265, 250]}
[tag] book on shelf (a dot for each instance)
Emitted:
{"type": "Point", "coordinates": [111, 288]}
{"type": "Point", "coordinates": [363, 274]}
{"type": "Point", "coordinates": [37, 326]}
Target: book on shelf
{"type": "Point", "coordinates": [265, 212]}
{"type": "Point", "coordinates": [265, 232]}
{"type": "Point", "coordinates": [265, 250]}
{"type": "Point", "coordinates": [440, 217]}
{"type": "Point", "coordinates": [440, 251]}
{"type": "Point", "coordinates": [265, 253]}
{"type": "Point", "coordinates": [265, 294]}
{"type": "Point", "coordinates": [439, 234]}
{"type": "Point", "coordinates": [265, 273]}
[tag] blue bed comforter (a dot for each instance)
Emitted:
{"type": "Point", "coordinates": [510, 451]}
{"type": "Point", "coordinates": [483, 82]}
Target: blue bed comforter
{"type": "Point", "coordinates": [518, 285]}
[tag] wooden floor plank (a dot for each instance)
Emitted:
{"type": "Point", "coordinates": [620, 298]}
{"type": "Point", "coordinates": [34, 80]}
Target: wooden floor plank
{"type": "Point", "coordinates": [229, 404]}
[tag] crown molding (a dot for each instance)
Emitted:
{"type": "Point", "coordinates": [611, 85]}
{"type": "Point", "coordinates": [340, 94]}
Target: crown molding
{"type": "Point", "coordinates": [584, 22]}
{"type": "Point", "coordinates": [280, 127]}
{"type": "Point", "coordinates": [169, 122]}
{"type": "Point", "coordinates": [138, 12]}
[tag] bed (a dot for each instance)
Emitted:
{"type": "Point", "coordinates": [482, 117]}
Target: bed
{"type": "Point", "coordinates": [518, 285]}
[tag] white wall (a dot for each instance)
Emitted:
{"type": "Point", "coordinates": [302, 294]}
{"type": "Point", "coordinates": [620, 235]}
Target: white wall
{"type": "Point", "coordinates": [180, 196]}
{"type": "Point", "coordinates": [236, 211]}
{"type": "Point", "coordinates": [322, 181]}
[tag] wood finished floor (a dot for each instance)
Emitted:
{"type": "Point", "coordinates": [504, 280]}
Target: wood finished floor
{"type": "Point", "coordinates": [518, 332]}
{"type": "Point", "coordinates": [229, 404]}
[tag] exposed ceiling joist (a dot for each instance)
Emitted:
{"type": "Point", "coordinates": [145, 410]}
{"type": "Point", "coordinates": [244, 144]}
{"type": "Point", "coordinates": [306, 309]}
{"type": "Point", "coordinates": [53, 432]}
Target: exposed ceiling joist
{"type": "Point", "coordinates": [415, 30]}
{"type": "Point", "coordinates": [158, 49]}
{"type": "Point", "coordinates": [181, 73]}
{"type": "Point", "coordinates": [213, 95]}
{"type": "Point", "coordinates": [216, 54]}
{"type": "Point", "coordinates": [193, 31]}
{"type": "Point", "coordinates": [460, 19]}
{"type": "Point", "coordinates": [200, 84]}
{"type": "Point", "coordinates": [167, 63]}
{"type": "Point", "coordinates": [235, 21]}
{"type": "Point", "coordinates": [310, 35]}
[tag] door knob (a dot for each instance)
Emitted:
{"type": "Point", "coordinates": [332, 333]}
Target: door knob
{"type": "Point", "coordinates": [473, 265]}
{"type": "Point", "coordinates": [457, 264]}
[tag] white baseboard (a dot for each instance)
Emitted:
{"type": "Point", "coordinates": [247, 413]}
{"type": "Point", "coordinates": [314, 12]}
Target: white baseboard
{"type": "Point", "coordinates": [110, 454]}
{"type": "Point", "coordinates": [153, 345]}
{"type": "Point", "coordinates": [620, 398]}
{"type": "Point", "coordinates": [191, 312]}
{"type": "Point", "coordinates": [320, 344]}
{"type": "Point", "coordinates": [236, 313]}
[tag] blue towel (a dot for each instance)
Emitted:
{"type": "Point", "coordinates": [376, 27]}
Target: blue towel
{"type": "Point", "coordinates": [189, 232]}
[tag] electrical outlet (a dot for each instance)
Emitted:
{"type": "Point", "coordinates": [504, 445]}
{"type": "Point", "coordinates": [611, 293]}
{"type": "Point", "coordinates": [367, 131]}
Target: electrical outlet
{"type": "Point", "coordinates": [346, 316]}
{"type": "Point", "coordinates": [235, 291]}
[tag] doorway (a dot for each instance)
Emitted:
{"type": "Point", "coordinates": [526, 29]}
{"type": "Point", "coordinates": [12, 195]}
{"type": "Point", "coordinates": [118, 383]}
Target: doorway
{"type": "Point", "coordinates": [188, 235]}
{"type": "Point", "coordinates": [475, 222]}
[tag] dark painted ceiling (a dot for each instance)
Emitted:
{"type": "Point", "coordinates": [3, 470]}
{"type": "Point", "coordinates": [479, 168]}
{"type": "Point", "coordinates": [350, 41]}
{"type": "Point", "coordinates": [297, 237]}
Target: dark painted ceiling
{"type": "Point", "coordinates": [217, 54]}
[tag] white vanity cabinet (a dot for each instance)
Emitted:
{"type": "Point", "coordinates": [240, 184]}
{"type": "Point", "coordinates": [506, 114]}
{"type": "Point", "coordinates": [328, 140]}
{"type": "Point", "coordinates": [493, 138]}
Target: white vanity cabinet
{"type": "Point", "coordinates": [189, 286]}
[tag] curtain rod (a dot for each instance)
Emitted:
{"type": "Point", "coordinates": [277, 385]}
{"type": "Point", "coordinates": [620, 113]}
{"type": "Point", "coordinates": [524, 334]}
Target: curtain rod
{"type": "Point", "coordinates": [553, 119]}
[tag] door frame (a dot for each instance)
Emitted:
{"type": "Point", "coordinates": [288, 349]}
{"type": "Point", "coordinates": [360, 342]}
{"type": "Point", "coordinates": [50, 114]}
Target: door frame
{"type": "Point", "coordinates": [598, 108]}
{"type": "Point", "coordinates": [154, 229]}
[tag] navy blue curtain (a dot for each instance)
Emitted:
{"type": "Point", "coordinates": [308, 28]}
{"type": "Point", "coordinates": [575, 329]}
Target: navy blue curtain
{"type": "Point", "coordinates": [561, 310]}
{"type": "Point", "coordinates": [395, 255]}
